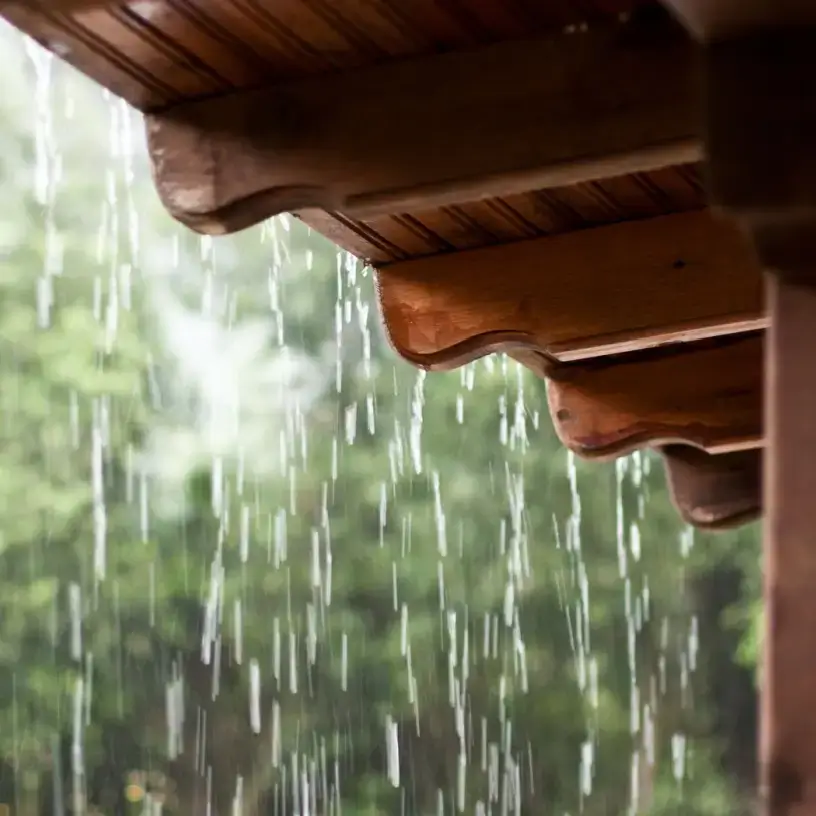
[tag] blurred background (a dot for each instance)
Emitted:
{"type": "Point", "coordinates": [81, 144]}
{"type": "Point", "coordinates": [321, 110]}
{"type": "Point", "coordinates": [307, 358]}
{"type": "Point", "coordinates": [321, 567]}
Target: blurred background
{"type": "Point", "coordinates": [253, 563]}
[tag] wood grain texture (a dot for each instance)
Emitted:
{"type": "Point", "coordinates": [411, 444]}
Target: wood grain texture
{"type": "Point", "coordinates": [159, 52]}
{"type": "Point", "coordinates": [706, 394]}
{"type": "Point", "coordinates": [594, 292]}
{"type": "Point", "coordinates": [435, 131]}
{"type": "Point", "coordinates": [498, 220]}
{"type": "Point", "coordinates": [714, 492]}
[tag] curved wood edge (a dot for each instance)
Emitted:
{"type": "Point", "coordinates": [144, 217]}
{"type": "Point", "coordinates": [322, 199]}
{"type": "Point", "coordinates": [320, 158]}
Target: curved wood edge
{"type": "Point", "coordinates": [674, 278]}
{"type": "Point", "coordinates": [714, 492]}
{"type": "Point", "coordinates": [707, 394]}
{"type": "Point", "coordinates": [432, 131]}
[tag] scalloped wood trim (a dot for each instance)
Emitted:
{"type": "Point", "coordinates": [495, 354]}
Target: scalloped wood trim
{"type": "Point", "coordinates": [708, 395]}
{"type": "Point", "coordinates": [584, 294]}
{"type": "Point", "coordinates": [714, 492]}
{"type": "Point", "coordinates": [431, 131]}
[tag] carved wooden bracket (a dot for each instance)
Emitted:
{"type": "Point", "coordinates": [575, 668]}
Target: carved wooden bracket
{"type": "Point", "coordinates": [714, 492]}
{"type": "Point", "coordinates": [595, 292]}
{"type": "Point", "coordinates": [706, 394]}
{"type": "Point", "coordinates": [430, 131]}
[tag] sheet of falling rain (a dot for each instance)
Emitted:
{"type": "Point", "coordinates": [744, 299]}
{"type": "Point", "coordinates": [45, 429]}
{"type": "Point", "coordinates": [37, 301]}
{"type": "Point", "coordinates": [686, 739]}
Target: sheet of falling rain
{"type": "Point", "coordinates": [252, 563]}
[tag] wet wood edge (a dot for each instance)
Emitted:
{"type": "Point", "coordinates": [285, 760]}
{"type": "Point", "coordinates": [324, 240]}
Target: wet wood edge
{"type": "Point", "coordinates": [676, 278]}
{"type": "Point", "coordinates": [430, 131]}
{"type": "Point", "coordinates": [706, 394]}
{"type": "Point", "coordinates": [714, 492]}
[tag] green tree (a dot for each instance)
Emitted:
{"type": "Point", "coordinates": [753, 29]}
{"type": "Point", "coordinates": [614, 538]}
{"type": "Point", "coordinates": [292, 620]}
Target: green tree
{"type": "Point", "coordinates": [249, 557]}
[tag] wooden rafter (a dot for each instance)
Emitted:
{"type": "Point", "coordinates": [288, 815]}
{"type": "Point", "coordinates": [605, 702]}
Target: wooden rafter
{"type": "Point", "coordinates": [433, 130]}
{"type": "Point", "coordinates": [706, 394]}
{"type": "Point", "coordinates": [714, 492]}
{"type": "Point", "coordinates": [595, 292]}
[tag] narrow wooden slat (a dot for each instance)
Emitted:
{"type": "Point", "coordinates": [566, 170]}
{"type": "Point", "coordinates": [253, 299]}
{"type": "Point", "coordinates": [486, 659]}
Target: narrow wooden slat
{"type": "Point", "coordinates": [714, 492]}
{"type": "Point", "coordinates": [708, 395]}
{"type": "Point", "coordinates": [431, 131]}
{"type": "Point", "coordinates": [584, 294]}
{"type": "Point", "coordinates": [421, 233]}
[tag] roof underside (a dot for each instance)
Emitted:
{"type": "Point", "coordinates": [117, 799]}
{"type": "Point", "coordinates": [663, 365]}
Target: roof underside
{"type": "Point", "coordinates": [361, 116]}
{"type": "Point", "coordinates": [157, 53]}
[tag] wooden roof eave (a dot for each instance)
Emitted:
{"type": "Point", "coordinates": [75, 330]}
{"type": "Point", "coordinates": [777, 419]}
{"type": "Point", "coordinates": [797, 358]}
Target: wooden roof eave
{"type": "Point", "coordinates": [363, 153]}
{"type": "Point", "coordinates": [758, 60]}
{"type": "Point", "coordinates": [433, 131]}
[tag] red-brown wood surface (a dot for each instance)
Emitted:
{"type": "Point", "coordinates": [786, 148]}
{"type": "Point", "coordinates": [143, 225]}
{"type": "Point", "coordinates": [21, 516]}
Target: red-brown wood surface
{"type": "Point", "coordinates": [714, 491]}
{"type": "Point", "coordinates": [436, 130]}
{"type": "Point", "coordinates": [706, 394]}
{"type": "Point", "coordinates": [470, 224]}
{"type": "Point", "coordinates": [157, 52]}
{"type": "Point", "coordinates": [594, 292]}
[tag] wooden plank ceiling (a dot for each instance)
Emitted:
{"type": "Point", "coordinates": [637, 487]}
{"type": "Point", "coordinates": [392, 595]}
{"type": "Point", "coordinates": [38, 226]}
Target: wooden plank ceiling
{"type": "Point", "coordinates": [455, 144]}
{"type": "Point", "coordinates": [157, 54]}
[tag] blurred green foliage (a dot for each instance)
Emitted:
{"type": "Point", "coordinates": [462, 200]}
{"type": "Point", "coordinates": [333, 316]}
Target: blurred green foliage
{"type": "Point", "coordinates": [371, 544]}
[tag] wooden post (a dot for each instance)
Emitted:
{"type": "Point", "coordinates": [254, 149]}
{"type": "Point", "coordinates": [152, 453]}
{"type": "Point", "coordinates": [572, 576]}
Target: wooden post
{"type": "Point", "coordinates": [789, 672]}
{"type": "Point", "coordinates": [761, 120]}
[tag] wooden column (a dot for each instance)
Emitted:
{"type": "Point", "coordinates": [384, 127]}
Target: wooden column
{"type": "Point", "coordinates": [789, 672]}
{"type": "Point", "coordinates": [761, 118]}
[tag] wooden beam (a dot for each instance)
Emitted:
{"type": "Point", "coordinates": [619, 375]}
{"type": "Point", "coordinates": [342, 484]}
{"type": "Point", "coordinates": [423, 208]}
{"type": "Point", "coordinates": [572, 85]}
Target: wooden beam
{"type": "Point", "coordinates": [431, 131]}
{"type": "Point", "coordinates": [714, 492]}
{"type": "Point", "coordinates": [707, 394]}
{"type": "Point", "coordinates": [594, 292]}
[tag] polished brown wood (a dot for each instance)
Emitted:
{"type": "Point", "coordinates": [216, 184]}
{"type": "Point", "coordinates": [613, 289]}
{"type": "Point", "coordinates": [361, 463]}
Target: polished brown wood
{"type": "Point", "coordinates": [162, 52]}
{"type": "Point", "coordinates": [388, 238]}
{"type": "Point", "coordinates": [595, 292]}
{"type": "Point", "coordinates": [706, 394]}
{"type": "Point", "coordinates": [714, 491]}
{"type": "Point", "coordinates": [433, 131]}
